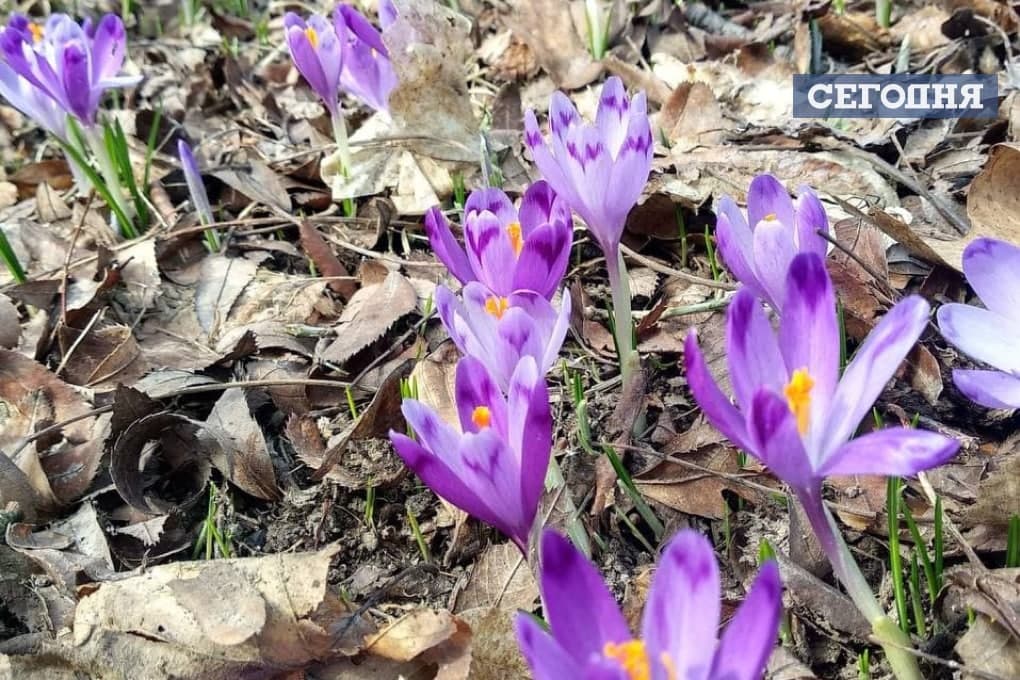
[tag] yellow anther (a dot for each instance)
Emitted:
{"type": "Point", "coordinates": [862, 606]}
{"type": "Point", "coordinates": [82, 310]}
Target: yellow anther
{"type": "Point", "coordinates": [37, 32]}
{"type": "Point", "coordinates": [497, 306]}
{"type": "Point", "coordinates": [632, 657]}
{"type": "Point", "coordinates": [798, 398]}
{"type": "Point", "coordinates": [313, 37]}
{"type": "Point", "coordinates": [771, 217]}
{"type": "Point", "coordinates": [513, 230]}
{"type": "Point", "coordinates": [481, 417]}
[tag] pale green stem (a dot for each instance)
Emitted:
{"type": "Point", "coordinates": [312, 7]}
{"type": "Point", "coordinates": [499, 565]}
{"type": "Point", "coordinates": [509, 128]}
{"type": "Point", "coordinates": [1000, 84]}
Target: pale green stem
{"type": "Point", "coordinates": [894, 641]}
{"type": "Point", "coordinates": [94, 137]}
{"type": "Point", "coordinates": [342, 146]}
{"type": "Point", "coordinates": [619, 284]}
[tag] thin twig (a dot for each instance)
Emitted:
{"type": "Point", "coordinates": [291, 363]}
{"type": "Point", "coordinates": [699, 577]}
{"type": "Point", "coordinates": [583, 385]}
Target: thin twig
{"type": "Point", "coordinates": [669, 271]}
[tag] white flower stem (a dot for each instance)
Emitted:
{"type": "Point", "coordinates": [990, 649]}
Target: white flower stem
{"type": "Point", "coordinates": [342, 146]}
{"type": "Point", "coordinates": [94, 137]}
{"type": "Point", "coordinates": [619, 284]}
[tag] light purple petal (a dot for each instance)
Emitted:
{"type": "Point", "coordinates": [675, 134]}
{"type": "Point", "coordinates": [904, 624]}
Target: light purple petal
{"type": "Point", "coordinates": [489, 251]}
{"type": "Point", "coordinates": [387, 13]}
{"type": "Point", "coordinates": [530, 430]}
{"type": "Point", "coordinates": [108, 48]}
{"type": "Point", "coordinates": [993, 389]}
{"type": "Point", "coordinates": [307, 58]}
{"type": "Point", "coordinates": [541, 205]}
{"type": "Point", "coordinates": [767, 196]}
{"type": "Point", "coordinates": [493, 200]}
{"type": "Point", "coordinates": [76, 82]}
{"type": "Point", "coordinates": [811, 219]}
{"type": "Point", "coordinates": [562, 114]}
{"type": "Point", "coordinates": [543, 260]}
{"type": "Point", "coordinates": [752, 351]}
{"type": "Point", "coordinates": [809, 333]}
{"type": "Point", "coordinates": [993, 271]}
{"type": "Point", "coordinates": [490, 467]}
{"type": "Point", "coordinates": [193, 177]}
{"type": "Point", "coordinates": [750, 636]}
{"type": "Point", "coordinates": [714, 404]}
{"type": "Point", "coordinates": [872, 367]}
{"type": "Point", "coordinates": [896, 451]}
{"type": "Point", "coordinates": [581, 612]}
{"type": "Point", "coordinates": [733, 242]}
{"type": "Point", "coordinates": [446, 247]}
{"type": "Point", "coordinates": [682, 612]}
{"type": "Point", "coordinates": [611, 119]}
{"type": "Point", "coordinates": [473, 388]}
{"type": "Point", "coordinates": [547, 164]}
{"type": "Point", "coordinates": [545, 657]}
{"type": "Point", "coordinates": [981, 334]}
{"type": "Point", "coordinates": [773, 249]}
{"type": "Point", "coordinates": [452, 313]}
{"type": "Point", "coordinates": [777, 444]}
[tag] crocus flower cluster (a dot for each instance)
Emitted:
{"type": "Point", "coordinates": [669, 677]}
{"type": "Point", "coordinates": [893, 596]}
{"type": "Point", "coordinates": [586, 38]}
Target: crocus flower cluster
{"type": "Point", "coordinates": [510, 333]}
{"type": "Point", "coordinates": [988, 335]}
{"type": "Point", "coordinates": [589, 638]}
{"type": "Point", "coordinates": [600, 171]}
{"type": "Point", "coordinates": [758, 250]}
{"type": "Point", "coordinates": [346, 53]}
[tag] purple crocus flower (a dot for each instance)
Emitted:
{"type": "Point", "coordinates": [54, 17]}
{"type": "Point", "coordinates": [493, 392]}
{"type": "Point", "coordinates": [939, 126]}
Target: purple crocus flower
{"type": "Point", "coordinates": [71, 64]}
{"type": "Point", "coordinates": [318, 56]}
{"type": "Point", "coordinates": [507, 250]}
{"type": "Point", "coordinates": [598, 169]}
{"type": "Point", "coordinates": [196, 187]}
{"type": "Point", "coordinates": [502, 330]}
{"type": "Point", "coordinates": [589, 638]}
{"type": "Point", "coordinates": [367, 72]}
{"type": "Point", "coordinates": [387, 13]}
{"type": "Point", "coordinates": [988, 335]}
{"type": "Point", "coordinates": [758, 250]}
{"type": "Point", "coordinates": [793, 411]}
{"type": "Point", "coordinates": [494, 468]}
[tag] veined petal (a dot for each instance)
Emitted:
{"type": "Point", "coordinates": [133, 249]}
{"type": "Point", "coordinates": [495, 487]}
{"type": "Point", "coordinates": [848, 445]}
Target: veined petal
{"type": "Point", "coordinates": [530, 430]}
{"type": "Point", "coordinates": [733, 243]}
{"type": "Point", "coordinates": [306, 59]}
{"type": "Point", "coordinates": [896, 451]}
{"type": "Point", "coordinates": [387, 13]}
{"type": "Point", "coordinates": [541, 205]}
{"type": "Point", "coordinates": [492, 200]}
{"type": "Point", "coordinates": [752, 353]}
{"type": "Point", "coordinates": [993, 389]}
{"type": "Point", "coordinates": [489, 251]}
{"type": "Point", "coordinates": [773, 249]}
{"type": "Point", "coordinates": [872, 367]}
{"type": "Point", "coordinates": [811, 219]}
{"type": "Point", "coordinates": [108, 48]}
{"type": "Point", "coordinates": [993, 271]}
{"type": "Point", "coordinates": [519, 336]}
{"type": "Point", "coordinates": [474, 388]}
{"type": "Point", "coordinates": [488, 465]}
{"type": "Point", "coordinates": [562, 114]}
{"type": "Point", "coordinates": [682, 612]}
{"type": "Point", "coordinates": [361, 28]}
{"type": "Point", "coordinates": [750, 636]}
{"type": "Point", "coordinates": [446, 247]}
{"type": "Point", "coordinates": [809, 333]}
{"type": "Point", "coordinates": [548, 165]}
{"type": "Point", "coordinates": [981, 334]}
{"type": "Point", "coordinates": [544, 259]}
{"type": "Point", "coordinates": [435, 433]}
{"type": "Point", "coordinates": [76, 83]}
{"type": "Point", "coordinates": [716, 407]}
{"type": "Point", "coordinates": [581, 612]}
{"type": "Point", "coordinates": [611, 118]}
{"type": "Point", "coordinates": [767, 196]}
{"type": "Point", "coordinates": [777, 444]}
{"type": "Point", "coordinates": [544, 655]}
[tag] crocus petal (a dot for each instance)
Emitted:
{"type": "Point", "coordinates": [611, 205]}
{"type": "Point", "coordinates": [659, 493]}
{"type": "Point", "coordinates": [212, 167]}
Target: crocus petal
{"type": "Point", "coordinates": [811, 219]}
{"type": "Point", "coordinates": [993, 389]}
{"type": "Point", "coordinates": [446, 247]}
{"type": "Point", "coordinates": [872, 367]}
{"type": "Point", "coordinates": [682, 612]}
{"type": "Point", "coordinates": [752, 352]}
{"type": "Point", "coordinates": [612, 118]}
{"type": "Point", "coordinates": [76, 82]}
{"type": "Point", "coordinates": [809, 331]}
{"type": "Point", "coordinates": [993, 271]}
{"type": "Point", "coordinates": [491, 200]}
{"type": "Point", "coordinates": [307, 58]}
{"type": "Point", "coordinates": [714, 404]}
{"type": "Point", "coordinates": [544, 259]}
{"type": "Point", "coordinates": [562, 114]}
{"type": "Point", "coordinates": [981, 334]}
{"type": "Point", "coordinates": [773, 252]}
{"type": "Point", "coordinates": [767, 196]}
{"type": "Point", "coordinates": [451, 312]}
{"type": "Point", "coordinates": [108, 47]}
{"type": "Point", "coordinates": [733, 243]}
{"type": "Point", "coordinates": [544, 655]}
{"type": "Point", "coordinates": [530, 430]}
{"type": "Point", "coordinates": [489, 251]}
{"type": "Point", "coordinates": [581, 611]}
{"type": "Point", "coordinates": [473, 388]}
{"type": "Point", "coordinates": [750, 636]}
{"type": "Point", "coordinates": [894, 451]}
{"type": "Point", "coordinates": [544, 160]}
{"type": "Point", "coordinates": [488, 465]}
{"type": "Point", "coordinates": [541, 205]}
{"type": "Point", "coordinates": [777, 443]}
{"type": "Point", "coordinates": [387, 13]}
{"type": "Point", "coordinates": [193, 177]}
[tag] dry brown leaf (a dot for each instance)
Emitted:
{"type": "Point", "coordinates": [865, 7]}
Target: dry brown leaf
{"type": "Point", "coordinates": [245, 460]}
{"type": "Point", "coordinates": [500, 578]}
{"type": "Point", "coordinates": [547, 27]}
{"type": "Point", "coordinates": [10, 324]}
{"type": "Point", "coordinates": [412, 634]}
{"type": "Point", "coordinates": [369, 314]}
{"type": "Point", "coordinates": [221, 283]}
{"type": "Point", "coordinates": [256, 180]}
{"type": "Point", "coordinates": [105, 358]}
{"type": "Point", "coordinates": [326, 261]}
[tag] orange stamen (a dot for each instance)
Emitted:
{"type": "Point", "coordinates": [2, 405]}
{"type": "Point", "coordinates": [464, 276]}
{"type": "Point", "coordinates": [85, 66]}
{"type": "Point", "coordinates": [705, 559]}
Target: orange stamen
{"type": "Point", "coordinates": [497, 306]}
{"type": "Point", "coordinates": [481, 417]}
{"type": "Point", "coordinates": [513, 230]}
{"type": "Point", "coordinates": [798, 398]}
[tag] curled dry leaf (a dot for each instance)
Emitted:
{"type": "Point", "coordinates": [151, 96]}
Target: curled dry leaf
{"type": "Point", "coordinates": [245, 457]}
{"type": "Point", "coordinates": [34, 398]}
{"type": "Point", "coordinates": [370, 313]}
{"type": "Point", "coordinates": [170, 475]}
{"type": "Point", "coordinates": [104, 358]}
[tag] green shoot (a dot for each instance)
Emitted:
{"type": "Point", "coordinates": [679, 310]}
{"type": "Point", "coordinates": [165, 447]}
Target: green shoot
{"type": "Point", "coordinates": [713, 262]}
{"type": "Point", "coordinates": [840, 315]}
{"type": "Point", "coordinates": [1013, 542]}
{"type": "Point", "coordinates": [628, 487]}
{"type": "Point", "coordinates": [211, 540]}
{"type": "Point", "coordinates": [622, 516]}
{"type": "Point", "coordinates": [117, 148]}
{"type": "Point", "coordinates": [915, 597]}
{"type": "Point", "coordinates": [370, 506]}
{"type": "Point", "coordinates": [98, 183]}
{"type": "Point", "coordinates": [150, 143]}
{"type": "Point", "coordinates": [921, 550]}
{"type": "Point", "coordinates": [350, 403]}
{"type": "Point", "coordinates": [596, 22]}
{"type": "Point", "coordinates": [10, 259]}
{"type": "Point", "coordinates": [893, 488]}
{"type": "Point", "coordinates": [409, 390]}
{"type": "Point", "coordinates": [767, 553]}
{"type": "Point", "coordinates": [349, 207]}
{"type": "Point", "coordinates": [864, 665]}
{"type": "Point", "coordinates": [883, 12]}
{"type": "Point", "coordinates": [682, 229]}
{"type": "Point", "coordinates": [459, 191]}
{"type": "Point", "coordinates": [423, 548]}
{"type": "Point", "coordinates": [939, 544]}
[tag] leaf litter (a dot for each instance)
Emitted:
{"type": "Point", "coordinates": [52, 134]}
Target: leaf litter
{"type": "Point", "coordinates": [150, 390]}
